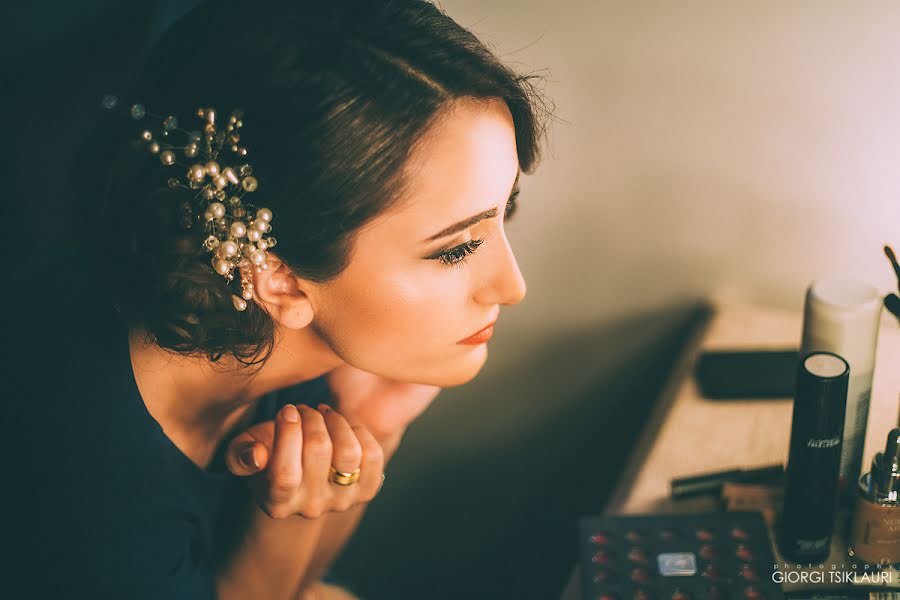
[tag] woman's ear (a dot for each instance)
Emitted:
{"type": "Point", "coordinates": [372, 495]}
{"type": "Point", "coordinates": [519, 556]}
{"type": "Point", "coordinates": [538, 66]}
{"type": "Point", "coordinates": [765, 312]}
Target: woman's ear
{"type": "Point", "coordinates": [283, 295]}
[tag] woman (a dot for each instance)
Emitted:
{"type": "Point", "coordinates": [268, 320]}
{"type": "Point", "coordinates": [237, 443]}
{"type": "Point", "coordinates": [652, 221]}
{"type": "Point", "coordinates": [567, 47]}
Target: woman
{"type": "Point", "coordinates": [217, 432]}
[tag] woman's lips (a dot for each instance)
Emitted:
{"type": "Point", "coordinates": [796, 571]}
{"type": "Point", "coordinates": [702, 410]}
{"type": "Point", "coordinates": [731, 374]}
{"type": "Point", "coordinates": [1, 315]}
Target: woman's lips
{"type": "Point", "coordinates": [479, 337]}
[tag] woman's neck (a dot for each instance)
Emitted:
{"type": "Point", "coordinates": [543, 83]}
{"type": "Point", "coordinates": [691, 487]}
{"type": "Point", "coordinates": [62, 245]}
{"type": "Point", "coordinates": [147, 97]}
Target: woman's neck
{"type": "Point", "coordinates": [197, 402]}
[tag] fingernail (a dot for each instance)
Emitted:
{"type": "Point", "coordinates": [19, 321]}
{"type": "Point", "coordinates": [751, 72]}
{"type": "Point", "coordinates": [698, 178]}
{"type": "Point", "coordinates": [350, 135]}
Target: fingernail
{"type": "Point", "coordinates": [248, 457]}
{"type": "Point", "coordinates": [324, 407]}
{"type": "Point", "coordinates": [289, 413]}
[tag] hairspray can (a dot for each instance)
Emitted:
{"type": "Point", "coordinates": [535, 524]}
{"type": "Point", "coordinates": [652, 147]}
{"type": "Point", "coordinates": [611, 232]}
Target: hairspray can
{"type": "Point", "coordinates": [842, 315]}
{"type": "Point", "coordinates": [817, 425]}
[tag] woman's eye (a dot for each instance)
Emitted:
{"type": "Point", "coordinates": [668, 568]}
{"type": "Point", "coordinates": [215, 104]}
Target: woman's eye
{"type": "Point", "coordinates": [458, 254]}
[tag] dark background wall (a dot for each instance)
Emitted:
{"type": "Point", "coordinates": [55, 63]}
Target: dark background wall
{"type": "Point", "coordinates": [57, 59]}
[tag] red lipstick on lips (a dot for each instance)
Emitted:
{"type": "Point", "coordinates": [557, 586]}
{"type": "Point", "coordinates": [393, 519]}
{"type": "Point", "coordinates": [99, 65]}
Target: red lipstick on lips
{"type": "Point", "coordinates": [480, 337]}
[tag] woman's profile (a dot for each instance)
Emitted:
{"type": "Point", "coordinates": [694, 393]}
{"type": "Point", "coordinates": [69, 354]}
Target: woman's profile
{"type": "Point", "coordinates": [237, 355]}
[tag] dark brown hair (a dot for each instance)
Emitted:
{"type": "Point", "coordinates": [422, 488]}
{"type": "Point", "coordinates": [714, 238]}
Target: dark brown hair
{"type": "Point", "coordinates": [335, 95]}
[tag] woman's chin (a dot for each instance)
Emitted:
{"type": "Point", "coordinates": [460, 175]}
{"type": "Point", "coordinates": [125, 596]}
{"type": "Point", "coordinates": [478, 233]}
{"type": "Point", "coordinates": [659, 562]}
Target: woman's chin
{"type": "Point", "coordinates": [468, 367]}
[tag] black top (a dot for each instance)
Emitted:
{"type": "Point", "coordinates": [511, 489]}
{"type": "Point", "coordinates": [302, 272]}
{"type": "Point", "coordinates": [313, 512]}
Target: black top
{"type": "Point", "coordinates": [103, 503]}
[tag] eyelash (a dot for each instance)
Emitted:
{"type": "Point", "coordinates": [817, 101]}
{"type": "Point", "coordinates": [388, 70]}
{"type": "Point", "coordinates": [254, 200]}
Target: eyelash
{"type": "Point", "coordinates": [456, 256]}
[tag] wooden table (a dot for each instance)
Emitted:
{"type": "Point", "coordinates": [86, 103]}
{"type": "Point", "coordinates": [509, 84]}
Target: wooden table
{"type": "Point", "coordinates": [689, 435]}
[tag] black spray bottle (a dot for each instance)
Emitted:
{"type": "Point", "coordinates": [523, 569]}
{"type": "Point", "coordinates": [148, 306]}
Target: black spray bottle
{"type": "Point", "coordinates": [811, 479]}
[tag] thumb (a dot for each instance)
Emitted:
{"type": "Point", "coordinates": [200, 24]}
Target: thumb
{"type": "Point", "coordinates": [246, 457]}
{"type": "Point", "coordinates": [248, 452]}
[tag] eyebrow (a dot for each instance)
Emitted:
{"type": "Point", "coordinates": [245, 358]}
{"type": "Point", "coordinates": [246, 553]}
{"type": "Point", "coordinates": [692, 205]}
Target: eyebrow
{"type": "Point", "coordinates": [466, 223]}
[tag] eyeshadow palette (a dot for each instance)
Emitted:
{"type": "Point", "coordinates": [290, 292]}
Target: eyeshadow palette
{"type": "Point", "coordinates": [709, 556]}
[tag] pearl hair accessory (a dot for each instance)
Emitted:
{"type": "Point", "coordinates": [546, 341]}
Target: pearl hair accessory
{"type": "Point", "coordinates": [236, 230]}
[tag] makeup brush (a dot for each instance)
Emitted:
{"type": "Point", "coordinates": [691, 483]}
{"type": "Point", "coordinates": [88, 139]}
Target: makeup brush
{"type": "Point", "coordinates": [892, 301]}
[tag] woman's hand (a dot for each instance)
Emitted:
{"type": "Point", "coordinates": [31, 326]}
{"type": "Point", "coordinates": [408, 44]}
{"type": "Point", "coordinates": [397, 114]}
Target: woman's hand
{"type": "Point", "coordinates": [384, 406]}
{"type": "Point", "coordinates": [294, 454]}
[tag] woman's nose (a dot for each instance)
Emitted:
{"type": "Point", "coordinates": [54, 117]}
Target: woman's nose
{"type": "Point", "coordinates": [505, 284]}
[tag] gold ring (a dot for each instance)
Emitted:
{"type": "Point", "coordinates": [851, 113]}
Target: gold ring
{"type": "Point", "coordinates": [344, 478]}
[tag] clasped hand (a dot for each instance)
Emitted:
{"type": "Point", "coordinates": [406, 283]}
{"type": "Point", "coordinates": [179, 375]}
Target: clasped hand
{"type": "Point", "coordinates": [288, 461]}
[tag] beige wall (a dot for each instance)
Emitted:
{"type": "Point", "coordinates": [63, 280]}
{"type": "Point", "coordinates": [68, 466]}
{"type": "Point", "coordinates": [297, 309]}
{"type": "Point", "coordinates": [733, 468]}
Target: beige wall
{"type": "Point", "coordinates": [746, 147]}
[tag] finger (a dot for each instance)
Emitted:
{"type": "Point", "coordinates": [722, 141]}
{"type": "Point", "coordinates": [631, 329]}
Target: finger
{"type": "Point", "coordinates": [285, 471]}
{"type": "Point", "coordinates": [260, 438]}
{"type": "Point", "coordinates": [346, 454]}
{"type": "Point", "coordinates": [372, 466]}
{"type": "Point", "coordinates": [317, 451]}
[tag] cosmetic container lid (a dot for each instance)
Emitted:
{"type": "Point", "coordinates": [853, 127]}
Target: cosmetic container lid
{"type": "Point", "coordinates": [821, 394]}
{"type": "Point", "coordinates": [883, 482]}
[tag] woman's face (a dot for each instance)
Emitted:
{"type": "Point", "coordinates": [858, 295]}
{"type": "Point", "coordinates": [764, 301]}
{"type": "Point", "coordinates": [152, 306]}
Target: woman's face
{"type": "Point", "coordinates": [398, 310]}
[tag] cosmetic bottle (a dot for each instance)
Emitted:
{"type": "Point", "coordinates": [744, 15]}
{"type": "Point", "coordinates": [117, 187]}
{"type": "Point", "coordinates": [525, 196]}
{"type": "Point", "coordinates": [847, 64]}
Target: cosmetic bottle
{"type": "Point", "coordinates": [842, 315]}
{"type": "Point", "coordinates": [817, 426]}
{"type": "Point", "coordinates": [875, 532]}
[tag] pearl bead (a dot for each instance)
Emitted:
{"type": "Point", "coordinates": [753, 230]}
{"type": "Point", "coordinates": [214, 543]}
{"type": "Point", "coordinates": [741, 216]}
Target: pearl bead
{"type": "Point", "coordinates": [271, 241]}
{"type": "Point", "coordinates": [238, 229]}
{"type": "Point", "coordinates": [262, 244]}
{"type": "Point", "coordinates": [167, 157]}
{"type": "Point", "coordinates": [234, 201]}
{"type": "Point", "coordinates": [197, 172]}
{"type": "Point", "coordinates": [250, 184]}
{"type": "Point", "coordinates": [146, 136]}
{"type": "Point", "coordinates": [253, 235]}
{"type": "Point", "coordinates": [222, 266]}
{"type": "Point", "coordinates": [217, 209]}
{"type": "Point", "coordinates": [220, 181]}
{"type": "Point", "coordinates": [231, 176]}
{"type": "Point", "coordinates": [260, 226]}
{"type": "Point", "coordinates": [229, 248]}
{"type": "Point", "coordinates": [257, 257]}
{"type": "Point", "coordinates": [264, 214]}
{"type": "Point", "coordinates": [212, 167]}
{"type": "Point", "coordinates": [247, 294]}
{"type": "Point", "coordinates": [153, 147]}
{"type": "Point", "coordinates": [239, 303]}
{"type": "Point", "coordinates": [191, 150]}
